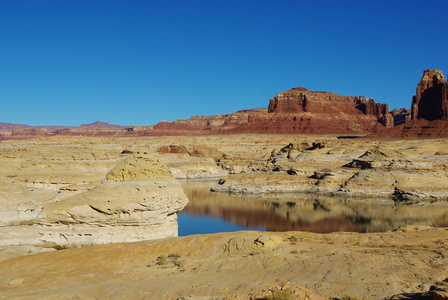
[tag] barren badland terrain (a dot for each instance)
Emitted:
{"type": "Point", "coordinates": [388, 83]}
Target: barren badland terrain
{"type": "Point", "coordinates": [91, 212]}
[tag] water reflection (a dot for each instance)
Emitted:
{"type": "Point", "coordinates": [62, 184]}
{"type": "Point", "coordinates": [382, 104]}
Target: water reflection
{"type": "Point", "coordinates": [222, 212]}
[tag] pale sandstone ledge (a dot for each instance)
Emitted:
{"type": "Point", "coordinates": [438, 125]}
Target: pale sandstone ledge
{"type": "Point", "coordinates": [388, 170]}
{"type": "Point", "coordinates": [138, 200]}
{"type": "Point", "coordinates": [240, 265]}
{"type": "Point", "coordinates": [39, 173]}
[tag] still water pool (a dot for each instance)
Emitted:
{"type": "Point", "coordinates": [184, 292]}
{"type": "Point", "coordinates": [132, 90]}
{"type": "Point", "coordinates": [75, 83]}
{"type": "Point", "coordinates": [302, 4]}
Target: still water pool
{"type": "Point", "coordinates": [209, 212]}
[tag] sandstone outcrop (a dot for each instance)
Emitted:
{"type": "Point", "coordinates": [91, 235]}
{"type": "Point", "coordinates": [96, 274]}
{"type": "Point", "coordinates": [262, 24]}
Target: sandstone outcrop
{"type": "Point", "coordinates": [137, 200]}
{"type": "Point", "coordinates": [429, 113]}
{"type": "Point", "coordinates": [13, 131]}
{"type": "Point", "coordinates": [216, 124]}
{"type": "Point", "coordinates": [191, 161]}
{"type": "Point", "coordinates": [431, 99]}
{"type": "Point", "coordinates": [301, 111]}
{"type": "Point", "coordinates": [401, 116]}
{"type": "Point", "coordinates": [300, 100]}
{"type": "Point", "coordinates": [237, 265]}
{"type": "Point", "coordinates": [297, 110]}
{"type": "Point", "coordinates": [37, 174]}
{"type": "Point", "coordinates": [54, 193]}
{"type": "Point", "coordinates": [93, 131]}
{"type": "Point", "coordinates": [439, 291]}
{"type": "Point", "coordinates": [382, 170]}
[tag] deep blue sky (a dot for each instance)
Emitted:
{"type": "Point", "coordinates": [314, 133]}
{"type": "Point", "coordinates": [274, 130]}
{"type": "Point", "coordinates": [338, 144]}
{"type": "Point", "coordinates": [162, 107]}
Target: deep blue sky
{"type": "Point", "coordinates": [140, 62]}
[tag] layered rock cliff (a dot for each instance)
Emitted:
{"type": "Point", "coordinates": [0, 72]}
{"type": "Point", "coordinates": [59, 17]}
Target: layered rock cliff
{"type": "Point", "coordinates": [295, 111]}
{"type": "Point", "coordinates": [429, 113]}
{"type": "Point", "coordinates": [300, 100]}
{"type": "Point", "coordinates": [401, 116]}
{"type": "Point", "coordinates": [323, 112]}
{"type": "Point", "coordinates": [431, 99]}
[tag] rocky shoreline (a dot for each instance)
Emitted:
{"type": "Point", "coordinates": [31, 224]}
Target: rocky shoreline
{"type": "Point", "coordinates": [401, 175]}
{"type": "Point", "coordinates": [68, 192]}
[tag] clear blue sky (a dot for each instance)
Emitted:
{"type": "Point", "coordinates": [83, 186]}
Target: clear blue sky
{"type": "Point", "coordinates": [139, 62]}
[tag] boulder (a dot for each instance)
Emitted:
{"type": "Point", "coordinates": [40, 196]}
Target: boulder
{"type": "Point", "coordinates": [138, 200]}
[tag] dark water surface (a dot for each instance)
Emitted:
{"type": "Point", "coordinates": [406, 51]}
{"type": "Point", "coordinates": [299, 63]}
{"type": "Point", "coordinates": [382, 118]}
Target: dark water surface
{"type": "Point", "coordinates": [209, 212]}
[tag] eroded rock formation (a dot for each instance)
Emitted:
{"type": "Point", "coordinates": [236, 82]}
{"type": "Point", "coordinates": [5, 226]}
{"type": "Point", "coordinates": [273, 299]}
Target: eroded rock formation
{"type": "Point", "coordinates": [238, 265]}
{"type": "Point", "coordinates": [401, 116]}
{"type": "Point", "coordinates": [138, 200]}
{"type": "Point", "coordinates": [300, 100]}
{"type": "Point", "coordinates": [429, 113]}
{"type": "Point", "coordinates": [431, 99]}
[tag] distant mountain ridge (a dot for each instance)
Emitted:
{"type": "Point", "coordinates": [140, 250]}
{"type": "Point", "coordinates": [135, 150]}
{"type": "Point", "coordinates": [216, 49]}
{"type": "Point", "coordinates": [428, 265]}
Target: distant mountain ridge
{"type": "Point", "coordinates": [98, 124]}
{"type": "Point", "coordinates": [21, 131]}
{"type": "Point", "coordinates": [296, 111]}
{"type": "Point", "coordinates": [10, 126]}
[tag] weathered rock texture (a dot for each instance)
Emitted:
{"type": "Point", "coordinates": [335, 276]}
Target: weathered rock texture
{"type": "Point", "coordinates": [54, 193]}
{"type": "Point", "coordinates": [431, 99]}
{"type": "Point", "coordinates": [429, 114]}
{"type": "Point", "coordinates": [191, 161]}
{"type": "Point", "coordinates": [401, 116]}
{"type": "Point", "coordinates": [300, 100]}
{"type": "Point", "coordinates": [139, 191]}
{"type": "Point", "coordinates": [216, 124]}
{"type": "Point", "coordinates": [138, 200]}
{"type": "Point", "coordinates": [240, 265]}
{"type": "Point", "coordinates": [301, 111]}
{"type": "Point", "coordinates": [295, 111]}
{"type": "Point", "coordinates": [393, 170]}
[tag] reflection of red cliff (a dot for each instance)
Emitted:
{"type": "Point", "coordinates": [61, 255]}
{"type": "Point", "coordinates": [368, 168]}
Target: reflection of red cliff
{"type": "Point", "coordinates": [273, 222]}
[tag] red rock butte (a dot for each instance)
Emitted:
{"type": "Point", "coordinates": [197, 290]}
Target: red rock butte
{"type": "Point", "coordinates": [294, 111]}
{"type": "Point", "coordinates": [431, 99]}
{"type": "Point", "coordinates": [429, 115]}
{"type": "Point", "coordinates": [324, 104]}
{"type": "Point", "coordinates": [300, 100]}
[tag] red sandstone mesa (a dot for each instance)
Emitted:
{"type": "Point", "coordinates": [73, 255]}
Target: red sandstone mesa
{"type": "Point", "coordinates": [300, 100]}
{"type": "Point", "coordinates": [357, 113]}
{"type": "Point", "coordinates": [294, 111]}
